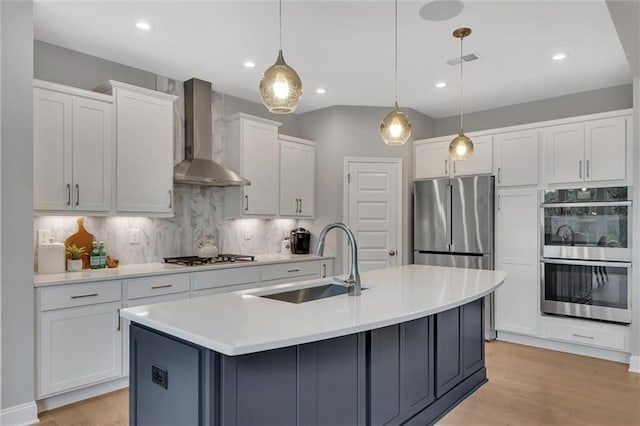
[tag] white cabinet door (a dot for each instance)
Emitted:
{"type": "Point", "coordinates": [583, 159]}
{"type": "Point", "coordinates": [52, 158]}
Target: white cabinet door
{"type": "Point", "coordinates": [144, 180]}
{"type": "Point", "coordinates": [565, 153]}
{"type": "Point", "coordinates": [260, 161]}
{"type": "Point", "coordinates": [431, 160]}
{"type": "Point", "coordinates": [297, 179]}
{"type": "Point", "coordinates": [91, 155]}
{"type": "Point", "coordinates": [78, 346]}
{"type": "Point", "coordinates": [52, 145]}
{"type": "Point", "coordinates": [605, 149]}
{"type": "Point", "coordinates": [481, 162]}
{"type": "Point", "coordinates": [518, 299]}
{"type": "Point", "coordinates": [517, 158]}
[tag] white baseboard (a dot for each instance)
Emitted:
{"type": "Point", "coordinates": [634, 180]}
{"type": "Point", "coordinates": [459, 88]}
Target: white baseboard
{"type": "Point", "coordinates": [20, 415]}
{"type": "Point", "coordinates": [555, 345]}
{"type": "Point", "coordinates": [634, 364]}
{"type": "Point", "coordinates": [81, 394]}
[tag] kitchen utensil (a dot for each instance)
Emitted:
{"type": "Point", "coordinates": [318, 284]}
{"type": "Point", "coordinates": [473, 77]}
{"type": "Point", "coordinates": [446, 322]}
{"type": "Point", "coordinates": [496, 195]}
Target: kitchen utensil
{"type": "Point", "coordinates": [207, 247]}
{"type": "Point", "coordinates": [82, 238]}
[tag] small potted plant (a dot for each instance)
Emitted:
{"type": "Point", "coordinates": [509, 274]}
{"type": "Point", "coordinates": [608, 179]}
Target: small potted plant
{"type": "Point", "coordinates": [74, 263]}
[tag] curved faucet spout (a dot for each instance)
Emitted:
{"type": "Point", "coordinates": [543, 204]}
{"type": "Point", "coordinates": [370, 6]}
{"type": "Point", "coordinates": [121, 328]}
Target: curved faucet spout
{"type": "Point", "coordinates": [353, 282]}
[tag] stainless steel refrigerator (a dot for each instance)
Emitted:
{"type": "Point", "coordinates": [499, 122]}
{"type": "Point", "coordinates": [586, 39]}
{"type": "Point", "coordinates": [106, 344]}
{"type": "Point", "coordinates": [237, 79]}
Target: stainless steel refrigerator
{"type": "Point", "coordinates": [453, 225]}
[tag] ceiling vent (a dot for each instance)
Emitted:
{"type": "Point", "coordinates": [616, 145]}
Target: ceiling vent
{"type": "Point", "coordinates": [470, 57]}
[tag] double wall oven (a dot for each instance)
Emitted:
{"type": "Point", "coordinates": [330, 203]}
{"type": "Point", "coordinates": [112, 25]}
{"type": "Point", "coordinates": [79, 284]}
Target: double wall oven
{"type": "Point", "coordinates": [586, 253]}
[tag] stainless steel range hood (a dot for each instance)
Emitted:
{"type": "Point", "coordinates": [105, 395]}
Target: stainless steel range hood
{"type": "Point", "coordinates": [197, 167]}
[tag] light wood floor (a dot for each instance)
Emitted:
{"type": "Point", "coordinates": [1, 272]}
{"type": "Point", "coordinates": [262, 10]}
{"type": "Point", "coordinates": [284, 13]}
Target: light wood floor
{"type": "Point", "coordinates": [527, 386]}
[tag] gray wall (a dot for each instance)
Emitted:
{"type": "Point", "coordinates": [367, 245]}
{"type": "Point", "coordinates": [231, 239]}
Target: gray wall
{"type": "Point", "coordinates": [600, 100]}
{"type": "Point", "coordinates": [344, 131]}
{"type": "Point", "coordinates": [17, 203]}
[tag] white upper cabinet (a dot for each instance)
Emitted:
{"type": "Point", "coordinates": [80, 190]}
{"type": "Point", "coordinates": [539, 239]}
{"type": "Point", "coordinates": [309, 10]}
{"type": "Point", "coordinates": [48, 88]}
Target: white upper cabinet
{"type": "Point", "coordinates": [431, 158]}
{"type": "Point", "coordinates": [252, 149]}
{"type": "Point", "coordinates": [481, 162]}
{"type": "Point", "coordinates": [144, 146]}
{"type": "Point", "coordinates": [589, 151]}
{"type": "Point", "coordinates": [297, 177]}
{"type": "Point", "coordinates": [72, 153]}
{"type": "Point", "coordinates": [517, 158]}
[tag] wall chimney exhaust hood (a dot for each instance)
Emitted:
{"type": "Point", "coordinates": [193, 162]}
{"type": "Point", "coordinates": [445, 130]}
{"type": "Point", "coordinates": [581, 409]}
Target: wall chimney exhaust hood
{"type": "Point", "coordinates": [197, 167]}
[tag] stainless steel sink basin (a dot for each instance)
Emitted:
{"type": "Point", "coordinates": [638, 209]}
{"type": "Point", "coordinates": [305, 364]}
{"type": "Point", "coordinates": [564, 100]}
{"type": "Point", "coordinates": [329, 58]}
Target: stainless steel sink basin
{"type": "Point", "coordinates": [308, 294]}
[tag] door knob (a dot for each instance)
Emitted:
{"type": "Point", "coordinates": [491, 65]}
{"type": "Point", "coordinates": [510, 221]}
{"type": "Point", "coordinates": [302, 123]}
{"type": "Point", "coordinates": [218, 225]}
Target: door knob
{"type": "Point", "coordinates": [392, 252]}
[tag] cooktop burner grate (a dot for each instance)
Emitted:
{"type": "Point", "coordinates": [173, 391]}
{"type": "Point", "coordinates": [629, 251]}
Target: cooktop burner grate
{"type": "Point", "coordinates": [197, 260]}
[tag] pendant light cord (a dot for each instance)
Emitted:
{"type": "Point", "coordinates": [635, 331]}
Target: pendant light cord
{"type": "Point", "coordinates": [396, 59]}
{"type": "Point", "coordinates": [461, 87]}
{"type": "Point", "coordinates": [280, 14]}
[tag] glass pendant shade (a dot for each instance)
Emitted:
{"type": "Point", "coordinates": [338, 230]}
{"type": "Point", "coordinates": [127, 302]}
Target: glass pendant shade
{"type": "Point", "coordinates": [280, 87]}
{"type": "Point", "coordinates": [395, 129]}
{"type": "Point", "coordinates": [461, 147]}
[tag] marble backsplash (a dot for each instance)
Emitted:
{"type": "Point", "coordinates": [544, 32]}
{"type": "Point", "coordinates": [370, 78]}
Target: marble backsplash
{"type": "Point", "coordinates": [198, 214]}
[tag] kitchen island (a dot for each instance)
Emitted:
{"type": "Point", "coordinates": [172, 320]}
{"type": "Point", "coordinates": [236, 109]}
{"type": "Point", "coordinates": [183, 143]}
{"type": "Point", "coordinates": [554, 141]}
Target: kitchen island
{"type": "Point", "coordinates": [407, 350]}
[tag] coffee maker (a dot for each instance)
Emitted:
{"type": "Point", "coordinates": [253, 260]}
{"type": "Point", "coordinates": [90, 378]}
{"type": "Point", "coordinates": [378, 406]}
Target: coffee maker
{"type": "Point", "coordinates": [300, 241]}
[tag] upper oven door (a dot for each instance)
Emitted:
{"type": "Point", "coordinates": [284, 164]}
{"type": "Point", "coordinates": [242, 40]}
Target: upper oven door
{"type": "Point", "coordinates": [591, 230]}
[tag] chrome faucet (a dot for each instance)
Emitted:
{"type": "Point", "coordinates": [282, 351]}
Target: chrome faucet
{"type": "Point", "coordinates": [353, 282]}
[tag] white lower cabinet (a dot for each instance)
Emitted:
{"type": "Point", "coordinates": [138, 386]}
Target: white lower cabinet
{"type": "Point", "coordinates": [79, 338]}
{"type": "Point", "coordinates": [589, 333]}
{"type": "Point", "coordinates": [517, 300]}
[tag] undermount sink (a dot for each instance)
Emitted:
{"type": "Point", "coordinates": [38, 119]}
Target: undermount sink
{"type": "Point", "coordinates": [308, 294]}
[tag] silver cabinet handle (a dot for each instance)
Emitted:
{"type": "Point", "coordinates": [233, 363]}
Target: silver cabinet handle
{"type": "Point", "coordinates": [499, 198]}
{"type": "Point", "coordinates": [154, 287]}
{"type": "Point", "coordinates": [119, 320]}
{"type": "Point", "coordinates": [454, 167]}
{"type": "Point", "coordinates": [68, 194]}
{"type": "Point", "coordinates": [324, 270]}
{"type": "Point", "coordinates": [293, 270]}
{"type": "Point", "coordinates": [588, 168]}
{"type": "Point", "coordinates": [77, 194]}
{"type": "Point", "coordinates": [583, 336]}
{"type": "Point", "coordinates": [393, 252]}
{"type": "Point", "coordinates": [170, 199]}
{"type": "Point", "coordinates": [84, 295]}
{"type": "Point", "coordinates": [246, 199]}
{"type": "Point", "coordinates": [300, 206]}
{"type": "Point", "coordinates": [580, 168]}
{"type": "Point", "coordinates": [446, 168]}
{"type": "Point", "coordinates": [499, 175]}
{"type": "Point", "coordinates": [297, 205]}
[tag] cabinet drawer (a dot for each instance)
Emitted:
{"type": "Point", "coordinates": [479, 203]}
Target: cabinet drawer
{"type": "Point", "coordinates": [79, 295]}
{"type": "Point", "coordinates": [286, 270]}
{"type": "Point", "coordinates": [226, 289]}
{"type": "Point", "coordinates": [157, 285]}
{"type": "Point", "coordinates": [608, 336]}
{"type": "Point", "coordinates": [225, 277]}
{"type": "Point", "coordinates": [267, 283]}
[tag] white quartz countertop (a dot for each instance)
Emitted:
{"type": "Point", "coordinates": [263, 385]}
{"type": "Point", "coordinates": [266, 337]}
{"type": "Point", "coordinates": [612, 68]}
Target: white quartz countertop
{"type": "Point", "coordinates": [148, 269]}
{"type": "Point", "coordinates": [242, 322]}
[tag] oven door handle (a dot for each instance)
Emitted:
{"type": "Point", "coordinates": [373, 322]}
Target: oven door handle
{"type": "Point", "coordinates": [586, 263]}
{"type": "Point", "coordinates": [588, 204]}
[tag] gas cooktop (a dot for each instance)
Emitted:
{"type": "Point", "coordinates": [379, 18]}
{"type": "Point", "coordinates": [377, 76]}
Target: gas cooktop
{"type": "Point", "coordinates": [197, 260]}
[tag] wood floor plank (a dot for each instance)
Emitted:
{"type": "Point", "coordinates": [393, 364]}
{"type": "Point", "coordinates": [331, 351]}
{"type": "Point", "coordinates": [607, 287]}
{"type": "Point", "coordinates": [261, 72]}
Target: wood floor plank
{"type": "Point", "coordinates": [527, 386]}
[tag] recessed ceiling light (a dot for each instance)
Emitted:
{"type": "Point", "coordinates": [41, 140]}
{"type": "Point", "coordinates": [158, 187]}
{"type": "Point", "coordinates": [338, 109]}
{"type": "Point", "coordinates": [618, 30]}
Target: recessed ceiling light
{"type": "Point", "coordinates": [143, 25]}
{"type": "Point", "coordinates": [559, 56]}
{"type": "Point", "coordinates": [249, 64]}
{"type": "Point", "coordinates": [441, 84]}
{"type": "Point", "coordinates": [321, 91]}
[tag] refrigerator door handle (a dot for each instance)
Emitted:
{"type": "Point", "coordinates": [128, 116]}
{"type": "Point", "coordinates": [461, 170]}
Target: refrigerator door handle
{"type": "Point", "coordinates": [449, 234]}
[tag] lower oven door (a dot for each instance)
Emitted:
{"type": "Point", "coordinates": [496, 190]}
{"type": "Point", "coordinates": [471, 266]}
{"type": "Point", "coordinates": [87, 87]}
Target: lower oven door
{"type": "Point", "coordinates": [587, 289]}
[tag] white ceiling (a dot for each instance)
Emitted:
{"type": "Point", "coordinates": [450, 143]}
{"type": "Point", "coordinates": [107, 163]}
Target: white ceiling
{"type": "Point", "coordinates": [347, 47]}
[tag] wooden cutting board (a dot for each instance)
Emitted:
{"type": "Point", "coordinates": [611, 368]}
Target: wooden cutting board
{"type": "Point", "coordinates": [82, 238]}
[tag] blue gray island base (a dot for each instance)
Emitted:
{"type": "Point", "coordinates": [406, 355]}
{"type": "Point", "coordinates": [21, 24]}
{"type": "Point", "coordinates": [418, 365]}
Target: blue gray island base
{"type": "Point", "coordinates": [410, 373]}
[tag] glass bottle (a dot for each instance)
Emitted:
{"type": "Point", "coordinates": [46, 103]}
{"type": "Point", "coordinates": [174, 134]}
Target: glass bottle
{"type": "Point", "coordinates": [94, 257]}
{"type": "Point", "coordinates": [102, 254]}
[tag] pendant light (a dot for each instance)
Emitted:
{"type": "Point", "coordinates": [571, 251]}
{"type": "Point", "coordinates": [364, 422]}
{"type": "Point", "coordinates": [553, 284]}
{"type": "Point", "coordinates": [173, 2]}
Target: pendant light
{"type": "Point", "coordinates": [461, 146]}
{"type": "Point", "coordinates": [395, 129]}
{"type": "Point", "coordinates": [280, 87]}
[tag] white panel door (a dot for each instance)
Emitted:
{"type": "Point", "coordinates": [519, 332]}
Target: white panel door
{"type": "Point", "coordinates": [92, 155]}
{"type": "Point", "coordinates": [144, 153]}
{"type": "Point", "coordinates": [565, 153]}
{"type": "Point", "coordinates": [260, 162]}
{"type": "Point", "coordinates": [373, 199]}
{"type": "Point", "coordinates": [517, 158]}
{"type": "Point", "coordinates": [481, 162]}
{"type": "Point", "coordinates": [605, 149]}
{"type": "Point", "coordinates": [306, 178]}
{"type": "Point", "coordinates": [78, 346]}
{"type": "Point", "coordinates": [518, 299]}
{"type": "Point", "coordinates": [431, 160]}
{"type": "Point", "coordinates": [52, 145]}
{"type": "Point", "coordinates": [289, 204]}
